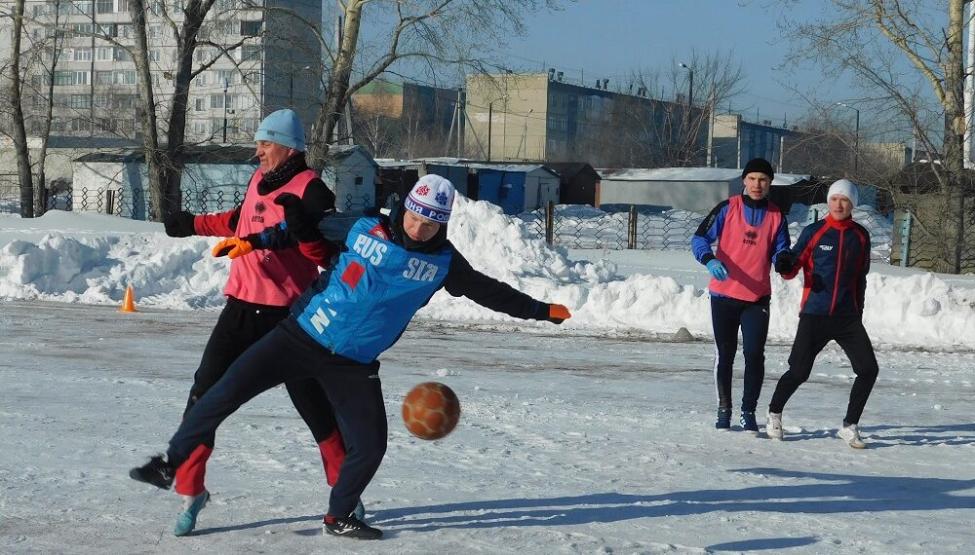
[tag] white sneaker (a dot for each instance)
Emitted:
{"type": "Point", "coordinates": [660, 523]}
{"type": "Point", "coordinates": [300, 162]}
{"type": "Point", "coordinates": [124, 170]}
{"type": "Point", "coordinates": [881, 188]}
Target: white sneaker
{"type": "Point", "coordinates": [850, 433]}
{"type": "Point", "coordinates": [773, 425]}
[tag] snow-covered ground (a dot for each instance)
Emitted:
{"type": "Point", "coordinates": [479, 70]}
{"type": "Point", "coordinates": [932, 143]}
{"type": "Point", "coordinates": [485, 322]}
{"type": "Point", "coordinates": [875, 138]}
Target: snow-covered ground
{"type": "Point", "coordinates": [591, 437]}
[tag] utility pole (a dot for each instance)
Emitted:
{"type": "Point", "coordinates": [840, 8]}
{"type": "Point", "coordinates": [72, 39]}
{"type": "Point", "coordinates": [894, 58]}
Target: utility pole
{"type": "Point", "coordinates": [490, 119]}
{"type": "Point", "coordinates": [460, 122]}
{"type": "Point", "coordinates": [225, 85]}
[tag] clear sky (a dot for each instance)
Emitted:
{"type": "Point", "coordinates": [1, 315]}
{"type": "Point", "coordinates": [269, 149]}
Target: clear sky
{"type": "Point", "coordinates": [612, 38]}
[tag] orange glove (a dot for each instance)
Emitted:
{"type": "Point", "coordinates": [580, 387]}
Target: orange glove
{"type": "Point", "coordinates": [232, 247]}
{"type": "Point", "coordinates": [558, 313]}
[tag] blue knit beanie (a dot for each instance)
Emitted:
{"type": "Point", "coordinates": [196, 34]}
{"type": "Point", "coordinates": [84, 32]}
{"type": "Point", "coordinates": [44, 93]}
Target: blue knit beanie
{"type": "Point", "coordinates": [282, 127]}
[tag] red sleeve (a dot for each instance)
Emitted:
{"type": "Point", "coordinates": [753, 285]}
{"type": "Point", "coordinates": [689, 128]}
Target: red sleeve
{"type": "Point", "coordinates": [319, 252]}
{"type": "Point", "coordinates": [221, 224]}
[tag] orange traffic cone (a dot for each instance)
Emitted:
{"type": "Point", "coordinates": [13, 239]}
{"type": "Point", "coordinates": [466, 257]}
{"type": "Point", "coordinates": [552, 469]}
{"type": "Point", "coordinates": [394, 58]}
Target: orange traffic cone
{"type": "Point", "coordinates": [128, 302]}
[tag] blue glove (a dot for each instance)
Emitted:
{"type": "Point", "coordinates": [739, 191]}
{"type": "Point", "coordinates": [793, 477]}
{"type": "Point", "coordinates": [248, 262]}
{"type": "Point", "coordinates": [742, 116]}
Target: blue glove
{"type": "Point", "coordinates": [717, 269]}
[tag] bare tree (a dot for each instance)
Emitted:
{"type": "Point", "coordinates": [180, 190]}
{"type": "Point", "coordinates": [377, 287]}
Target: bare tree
{"type": "Point", "coordinates": [19, 132]}
{"type": "Point", "coordinates": [164, 147]}
{"type": "Point", "coordinates": [876, 40]}
{"type": "Point", "coordinates": [435, 31]}
{"type": "Point", "coordinates": [643, 130]}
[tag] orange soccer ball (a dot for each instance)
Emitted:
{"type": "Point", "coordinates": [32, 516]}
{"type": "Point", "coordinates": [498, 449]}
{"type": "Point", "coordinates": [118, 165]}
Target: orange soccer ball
{"type": "Point", "coordinates": [431, 410]}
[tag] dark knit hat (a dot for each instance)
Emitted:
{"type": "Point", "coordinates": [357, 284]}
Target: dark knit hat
{"type": "Point", "coordinates": [760, 165]}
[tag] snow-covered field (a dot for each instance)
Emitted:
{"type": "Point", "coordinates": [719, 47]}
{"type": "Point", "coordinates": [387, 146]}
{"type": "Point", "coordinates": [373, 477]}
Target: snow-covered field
{"type": "Point", "coordinates": [592, 437]}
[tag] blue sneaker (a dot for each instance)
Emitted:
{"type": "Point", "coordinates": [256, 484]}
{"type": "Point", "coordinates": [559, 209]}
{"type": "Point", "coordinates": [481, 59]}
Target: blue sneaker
{"type": "Point", "coordinates": [748, 422]}
{"type": "Point", "coordinates": [724, 419]}
{"type": "Point", "coordinates": [186, 520]}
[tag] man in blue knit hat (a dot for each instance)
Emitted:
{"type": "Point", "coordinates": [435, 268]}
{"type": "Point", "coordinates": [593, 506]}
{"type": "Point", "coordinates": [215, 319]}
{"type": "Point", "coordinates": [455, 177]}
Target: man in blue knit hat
{"type": "Point", "coordinates": [261, 289]}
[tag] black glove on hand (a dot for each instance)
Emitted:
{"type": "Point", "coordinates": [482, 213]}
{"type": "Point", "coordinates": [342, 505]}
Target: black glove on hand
{"type": "Point", "coordinates": [301, 225]}
{"type": "Point", "coordinates": [784, 262]}
{"type": "Point", "coordinates": [179, 224]}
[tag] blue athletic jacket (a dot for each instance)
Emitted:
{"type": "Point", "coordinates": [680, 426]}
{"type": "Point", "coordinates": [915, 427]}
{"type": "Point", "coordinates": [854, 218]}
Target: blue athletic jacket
{"type": "Point", "coordinates": [834, 257]}
{"type": "Point", "coordinates": [361, 305]}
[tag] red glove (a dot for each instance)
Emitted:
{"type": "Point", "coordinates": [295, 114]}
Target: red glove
{"type": "Point", "coordinates": [232, 247]}
{"type": "Point", "coordinates": [558, 313]}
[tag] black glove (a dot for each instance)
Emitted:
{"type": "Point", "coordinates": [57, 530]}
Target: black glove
{"type": "Point", "coordinates": [302, 225]}
{"type": "Point", "coordinates": [784, 262]}
{"type": "Point", "coordinates": [179, 224]}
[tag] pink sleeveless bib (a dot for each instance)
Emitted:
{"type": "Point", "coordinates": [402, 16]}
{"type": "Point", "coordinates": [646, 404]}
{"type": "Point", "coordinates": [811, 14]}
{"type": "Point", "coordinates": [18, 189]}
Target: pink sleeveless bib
{"type": "Point", "coordinates": [746, 251]}
{"type": "Point", "coordinates": [273, 278]}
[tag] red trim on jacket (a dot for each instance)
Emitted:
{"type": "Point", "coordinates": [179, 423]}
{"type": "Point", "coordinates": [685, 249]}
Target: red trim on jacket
{"type": "Point", "coordinates": [215, 225]}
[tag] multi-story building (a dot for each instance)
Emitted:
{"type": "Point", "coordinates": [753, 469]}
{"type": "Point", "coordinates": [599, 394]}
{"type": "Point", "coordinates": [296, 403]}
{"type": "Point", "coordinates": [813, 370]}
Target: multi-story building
{"type": "Point", "coordinates": [408, 120]}
{"type": "Point", "coordinates": [736, 141]}
{"type": "Point", "coordinates": [262, 55]}
{"type": "Point", "coordinates": [540, 117]}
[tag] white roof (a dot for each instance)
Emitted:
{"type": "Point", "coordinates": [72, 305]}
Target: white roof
{"type": "Point", "coordinates": [689, 174]}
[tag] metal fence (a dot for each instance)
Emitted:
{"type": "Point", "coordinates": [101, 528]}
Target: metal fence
{"type": "Point", "coordinates": [581, 227]}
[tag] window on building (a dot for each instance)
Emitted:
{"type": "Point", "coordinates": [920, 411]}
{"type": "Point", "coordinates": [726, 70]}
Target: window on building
{"type": "Point", "coordinates": [216, 101]}
{"type": "Point", "coordinates": [82, 29]}
{"type": "Point", "coordinates": [250, 28]}
{"type": "Point", "coordinates": [200, 127]}
{"type": "Point", "coordinates": [104, 54]}
{"type": "Point", "coordinates": [199, 104]}
{"type": "Point", "coordinates": [103, 78]}
{"type": "Point", "coordinates": [154, 55]}
{"type": "Point", "coordinates": [80, 124]}
{"type": "Point", "coordinates": [250, 52]}
{"type": "Point", "coordinates": [79, 101]}
{"type": "Point", "coordinates": [105, 6]}
{"type": "Point", "coordinates": [155, 31]}
{"type": "Point", "coordinates": [124, 76]}
{"type": "Point", "coordinates": [123, 6]}
{"type": "Point", "coordinates": [82, 6]}
{"type": "Point", "coordinates": [81, 77]}
{"type": "Point", "coordinates": [62, 78]}
{"type": "Point", "coordinates": [82, 55]}
{"type": "Point", "coordinates": [227, 76]}
{"type": "Point", "coordinates": [122, 55]}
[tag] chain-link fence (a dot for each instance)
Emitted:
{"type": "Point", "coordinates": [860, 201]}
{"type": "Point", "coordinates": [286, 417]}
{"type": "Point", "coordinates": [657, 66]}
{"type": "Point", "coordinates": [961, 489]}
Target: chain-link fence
{"type": "Point", "coordinates": [584, 227]}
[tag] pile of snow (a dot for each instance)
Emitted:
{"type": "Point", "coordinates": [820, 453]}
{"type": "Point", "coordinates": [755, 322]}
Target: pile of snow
{"type": "Point", "coordinates": [85, 258]}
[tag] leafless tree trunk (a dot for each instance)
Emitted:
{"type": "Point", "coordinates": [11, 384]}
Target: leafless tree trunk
{"type": "Point", "coordinates": [19, 131]}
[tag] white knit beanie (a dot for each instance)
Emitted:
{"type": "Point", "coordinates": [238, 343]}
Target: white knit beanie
{"type": "Point", "coordinates": [846, 188]}
{"type": "Point", "coordinates": [432, 197]}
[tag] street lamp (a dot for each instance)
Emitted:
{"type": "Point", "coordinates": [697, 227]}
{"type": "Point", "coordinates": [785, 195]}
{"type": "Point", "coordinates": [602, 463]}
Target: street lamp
{"type": "Point", "coordinates": [856, 136]}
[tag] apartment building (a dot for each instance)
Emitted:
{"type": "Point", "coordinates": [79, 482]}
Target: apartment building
{"type": "Point", "coordinates": [540, 117]}
{"type": "Point", "coordinates": [83, 48]}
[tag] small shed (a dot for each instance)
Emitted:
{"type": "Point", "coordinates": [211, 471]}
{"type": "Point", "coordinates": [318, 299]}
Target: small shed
{"type": "Point", "coordinates": [351, 174]}
{"type": "Point", "coordinates": [454, 170]}
{"type": "Point", "coordinates": [396, 178]}
{"type": "Point", "coordinates": [578, 183]}
{"type": "Point", "coordinates": [214, 179]}
{"type": "Point", "coordinates": [516, 188]}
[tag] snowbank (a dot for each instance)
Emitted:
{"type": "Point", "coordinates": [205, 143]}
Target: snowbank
{"type": "Point", "coordinates": [90, 259]}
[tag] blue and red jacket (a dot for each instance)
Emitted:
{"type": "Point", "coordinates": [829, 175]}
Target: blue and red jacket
{"type": "Point", "coordinates": [834, 257]}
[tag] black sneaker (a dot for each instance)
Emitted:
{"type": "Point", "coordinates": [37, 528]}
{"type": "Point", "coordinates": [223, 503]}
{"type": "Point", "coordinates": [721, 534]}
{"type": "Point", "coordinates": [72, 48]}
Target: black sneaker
{"type": "Point", "coordinates": [724, 419]}
{"type": "Point", "coordinates": [350, 527]}
{"type": "Point", "coordinates": [157, 472]}
{"type": "Point", "coordinates": [748, 422]}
